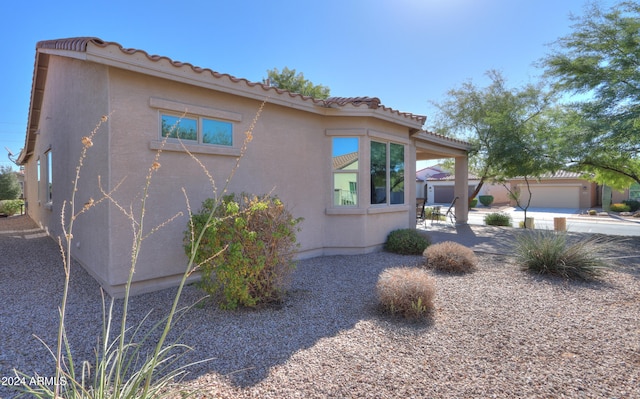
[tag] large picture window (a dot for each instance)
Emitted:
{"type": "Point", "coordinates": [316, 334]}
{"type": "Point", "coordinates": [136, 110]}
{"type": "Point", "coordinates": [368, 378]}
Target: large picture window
{"type": "Point", "coordinates": [197, 129]}
{"type": "Point", "coordinates": [387, 173]}
{"type": "Point", "coordinates": [345, 158]}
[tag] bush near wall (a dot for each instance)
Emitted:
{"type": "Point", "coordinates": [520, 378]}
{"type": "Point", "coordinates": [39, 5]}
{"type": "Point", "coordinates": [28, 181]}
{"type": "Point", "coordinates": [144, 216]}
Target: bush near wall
{"type": "Point", "coordinates": [10, 207]}
{"type": "Point", "coordinates": [406, 242]}
{"type": "Point", "coordinates": [486, 200]}
{"type": "Point", "coordinates": [634, 205]}
{"type": "Point", "coordinates": [247, 251]}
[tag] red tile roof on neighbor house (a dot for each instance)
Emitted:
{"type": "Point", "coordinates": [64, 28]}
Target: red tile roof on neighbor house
{"type": "Point", "coordinates": [79, 44]}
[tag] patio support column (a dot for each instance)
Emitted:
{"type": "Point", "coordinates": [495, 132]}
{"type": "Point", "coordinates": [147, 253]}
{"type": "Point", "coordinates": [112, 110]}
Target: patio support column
{"type": "Point", "coordinates": [461, 189]}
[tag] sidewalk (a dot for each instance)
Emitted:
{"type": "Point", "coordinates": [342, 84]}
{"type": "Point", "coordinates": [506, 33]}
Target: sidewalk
{"type": "Point", "coordinates": [500, 240]}
{"type": "Point", "coordinates": [487, 239]}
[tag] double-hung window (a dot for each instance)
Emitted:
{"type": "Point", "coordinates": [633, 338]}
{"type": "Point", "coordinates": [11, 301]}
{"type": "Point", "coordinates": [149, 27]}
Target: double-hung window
{"type": "Point", "coordinates": [345, 157]}
{"type": "Point", "coordinates": [197, 130]}
{"type": "Point", "coordinates": [387, 173]}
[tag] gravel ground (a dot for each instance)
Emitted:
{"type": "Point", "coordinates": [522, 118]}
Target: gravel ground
{"type": "Point", "coordinates": [498, 332]}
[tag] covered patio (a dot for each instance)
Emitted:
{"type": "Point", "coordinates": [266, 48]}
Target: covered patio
{"type": "Point", "coordinates": [433, 146]}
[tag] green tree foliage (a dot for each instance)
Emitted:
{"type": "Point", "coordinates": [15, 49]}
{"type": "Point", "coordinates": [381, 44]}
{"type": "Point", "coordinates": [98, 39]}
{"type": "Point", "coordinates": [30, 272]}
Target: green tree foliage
{"type": "Point", "coordinates": [511, 130]}
{"type": "Point", "coordinates": [600, 61]}
{"type": "Point", "coordinates": [287, 79]}
{"type": "Point", "coordinates": [9, 185]}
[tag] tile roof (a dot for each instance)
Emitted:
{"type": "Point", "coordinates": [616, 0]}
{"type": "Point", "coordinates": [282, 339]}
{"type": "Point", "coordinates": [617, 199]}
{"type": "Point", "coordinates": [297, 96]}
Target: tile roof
{"type": "Point", "coordinates": [80, 44]}
{"type": "Point", "coordinates": [342, 161]}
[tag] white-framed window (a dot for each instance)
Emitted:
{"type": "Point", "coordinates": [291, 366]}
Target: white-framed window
{"type": "Point", "coordinates": [345, 155]}
{"type": "Point", "coordinates": [49, 175]}
{"type": "Point", "coordinates": [196, 129]}
{"type": "Point", "coordinates": [387, 165]}
{"type": "Point", "coordinates": [38, 179]}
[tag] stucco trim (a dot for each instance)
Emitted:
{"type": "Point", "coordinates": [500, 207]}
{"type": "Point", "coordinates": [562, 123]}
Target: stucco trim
{"type": "Point", "coordinates": [189, 109]}
{"type": "Point", "coordinates": [156, 145]}
{"type": "Point", "coordinates": [345, 211]}
{"type": "Point", "coordinates": [388, 209]}
{"type": "Point", "coordinates": [374, 134]}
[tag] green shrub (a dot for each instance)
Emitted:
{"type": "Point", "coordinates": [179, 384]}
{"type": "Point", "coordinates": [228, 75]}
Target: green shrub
{"type": "Point", "coordinates": [428, 214]}
{"type": "Point", "coordinates": [10, 207]}
{"type": "Point", "coordinates": [486, 200]}
{"type": "Point", "coordinates": [593, 212]}
{"type": "Point", "coordinates": [549, 252]}
{"type": "Point", "coordinates": [406, 242]}
{"type": "Point", "coordinates": [633, 205]}
{"type": "Point", "coordinates": [450, 257]}
{"type": "Point", "coordinates": [498, 219]}
{"type": "Point", "coordinates": [255, 239]}
{"type": "Point", "coordinates": [617, 207]}
{"type": "Point", "coordinates": [406, 291]}
{"type": "Point", "coordinates": [473, 203]}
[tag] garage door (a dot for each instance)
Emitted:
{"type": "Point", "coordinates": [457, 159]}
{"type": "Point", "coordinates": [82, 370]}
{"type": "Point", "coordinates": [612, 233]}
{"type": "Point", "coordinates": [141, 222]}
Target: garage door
{"type": "Point", "coordinates": [552, 197]}
{"type": "Point", "coordinates": [444, 194]}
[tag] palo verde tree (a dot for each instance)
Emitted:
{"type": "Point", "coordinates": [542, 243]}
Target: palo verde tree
{"type": "Point", "coordinates": [600, 61]}
{"type": "Point", "coordinates": [510, 130]}
{"type": "Point", "coordinates": [287, 79]}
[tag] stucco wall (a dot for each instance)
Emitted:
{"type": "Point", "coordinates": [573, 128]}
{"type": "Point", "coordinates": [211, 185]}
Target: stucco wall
{"type": "Point", "coordinates": [289, 156]}
{"type": "Point", "coordinates": [68, 114]}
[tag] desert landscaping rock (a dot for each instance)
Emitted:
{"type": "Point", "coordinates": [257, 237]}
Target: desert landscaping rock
{"type": "Point", "coordinates": [499, 332]}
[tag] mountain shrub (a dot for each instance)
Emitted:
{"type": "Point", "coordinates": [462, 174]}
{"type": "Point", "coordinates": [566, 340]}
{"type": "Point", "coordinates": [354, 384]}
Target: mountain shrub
{"type": "Point", "coordinates": [247, 249]}
{"type": "Point", "coordinates": [406, 242]}
{"type": "Point", "coordinates": [450, 257]}
{"type": "Point", "coordinates": [406, 291]}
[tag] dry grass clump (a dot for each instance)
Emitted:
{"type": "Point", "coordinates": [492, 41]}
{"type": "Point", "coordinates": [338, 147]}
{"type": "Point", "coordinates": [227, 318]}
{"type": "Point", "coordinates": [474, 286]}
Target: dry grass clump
{"type": "Point", "coordinates": [406, 291]}
{"type": "Point", "coordinates": [550, 252]}
{"type": "Point", "coordinates": [450, 257]}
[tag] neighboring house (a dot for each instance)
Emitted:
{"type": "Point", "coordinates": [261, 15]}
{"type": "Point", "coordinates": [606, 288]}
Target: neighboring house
{"type": "Point", "coordinates": [558, 190]}
{"type": "Point", "coordinates": [339, 163]}
{"type": "Point", "coordinates": [436, 184]}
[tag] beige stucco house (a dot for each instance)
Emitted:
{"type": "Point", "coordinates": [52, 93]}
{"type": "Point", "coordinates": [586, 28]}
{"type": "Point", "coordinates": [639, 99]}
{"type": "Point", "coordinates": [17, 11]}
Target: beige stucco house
{"type": "Point", "coordinates": [338, 163]}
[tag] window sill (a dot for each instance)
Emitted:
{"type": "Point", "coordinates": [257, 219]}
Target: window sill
{"type": "Point", "coordinates": [194, 148]}
{"type": "Point", "coordinates": [345, 211]}
{"type": "Point", "coordinates": [374, 209]}
{"type": "Point", "coordinates": [388, 209]}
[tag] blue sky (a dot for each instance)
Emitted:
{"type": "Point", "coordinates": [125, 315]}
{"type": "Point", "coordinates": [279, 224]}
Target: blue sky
{"type": "Point", "coordinates": [406, 52]}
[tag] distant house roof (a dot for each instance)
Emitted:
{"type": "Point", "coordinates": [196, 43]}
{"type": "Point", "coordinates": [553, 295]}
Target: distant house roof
{"type": "Point", "coordinates": [342, 161]}
{"type": "Point", "coordinates": [560, 174]}
{"type": "Point", "coordinates": [438, 173]}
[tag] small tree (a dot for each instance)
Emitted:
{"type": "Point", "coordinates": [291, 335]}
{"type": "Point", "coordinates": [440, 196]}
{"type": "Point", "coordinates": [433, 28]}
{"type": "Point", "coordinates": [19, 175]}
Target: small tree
{"type": "Point", "coordinates": [9, 184]}
{"type": "Point", "coordinates": [287, 79]}
{"type": "Point", "coordinates": [512, 130]}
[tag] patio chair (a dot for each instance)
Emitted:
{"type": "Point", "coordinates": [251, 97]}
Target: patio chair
{"type": "Point", "coordinates": [420, 203]}
{"type": "Point", "coordinates": [448, 214]}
